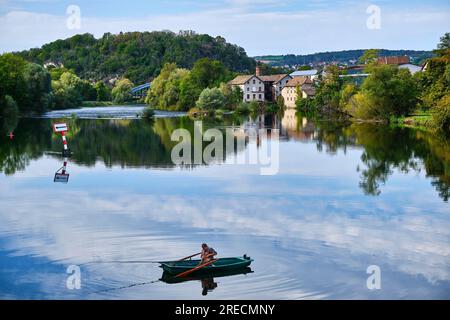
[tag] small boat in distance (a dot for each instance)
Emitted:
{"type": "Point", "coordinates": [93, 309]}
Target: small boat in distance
{"type": "Point", "coordinates": [220, 264]}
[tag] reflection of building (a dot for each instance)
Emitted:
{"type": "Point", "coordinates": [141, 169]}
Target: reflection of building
{"type": "Point", "coordinates": [297, 128]}
{"type": "Point", "coordinates": [303, 85]}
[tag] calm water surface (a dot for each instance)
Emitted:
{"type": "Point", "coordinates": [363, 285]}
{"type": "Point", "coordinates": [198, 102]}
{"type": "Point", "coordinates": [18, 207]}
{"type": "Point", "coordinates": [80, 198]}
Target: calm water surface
{"type": "Point", "coordinates": [345, 198]}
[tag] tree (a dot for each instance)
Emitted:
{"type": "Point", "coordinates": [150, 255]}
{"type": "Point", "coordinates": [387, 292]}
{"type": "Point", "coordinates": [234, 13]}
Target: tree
{"type": "Point", "coordinates": [38, 95]}
{"type": "Point", "coordinates": [12, 81]}
{"type": "Point", "coordinates": [233, 95]}
{"type": "Point", "coordinates": [444, 44]}
{"type": "Point", "coordinates": [211, 99]}
{"type": "Point", "coordinates": [166, 89]}
{"type": "Point", "coordinates": [67, 91]}
{"type": "Point", "coordinates": [103, 92]}
{"type": "Point", "coordinates": [386, 92]}
{"type": "Point", "coordinates": [206, 73]}
{"type": "Point", "coordinates": [369, 56]}
{"type": "Point", "coordinates": [122, 91]}
{"type": "Point", "coordinates": [441, 114]}
{"type": "Point", "coordinates": [88, 91]}
{"type": "Point", "coordinates": [328, 92]}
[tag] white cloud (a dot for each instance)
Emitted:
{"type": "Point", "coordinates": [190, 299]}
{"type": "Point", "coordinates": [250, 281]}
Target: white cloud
{"type": "Point", "coordinates": [258, 32]}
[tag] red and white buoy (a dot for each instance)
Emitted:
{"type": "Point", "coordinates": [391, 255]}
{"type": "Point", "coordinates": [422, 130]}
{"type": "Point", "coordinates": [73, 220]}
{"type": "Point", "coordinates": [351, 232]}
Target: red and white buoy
{"type": "Point", "coordinates": [62, 128]}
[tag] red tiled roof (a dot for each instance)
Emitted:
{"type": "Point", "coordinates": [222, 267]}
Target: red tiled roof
{"type": "Point", "coordinates": [393, 60]}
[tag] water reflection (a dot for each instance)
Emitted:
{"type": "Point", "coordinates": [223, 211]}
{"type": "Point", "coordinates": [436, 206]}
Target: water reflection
{"type": "Point", "coordinates": [313, 229]}
{"type": "Point", "coordinates": [136, 143]}
{"type": "Point", "coordinates": [208, 284]}
{"type": "Point", "coordinates": [62, 175]}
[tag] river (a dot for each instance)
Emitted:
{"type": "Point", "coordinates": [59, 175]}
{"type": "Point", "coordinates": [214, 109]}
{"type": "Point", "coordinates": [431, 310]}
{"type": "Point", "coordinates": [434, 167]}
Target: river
{"type": "Point", "coordinates": [345, 198]}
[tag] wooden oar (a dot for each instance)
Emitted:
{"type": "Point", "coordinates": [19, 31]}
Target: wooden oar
{"type": "Point", "coordinates": [188, 257]}
{"type": "Point", "coordinates": [185, 273]}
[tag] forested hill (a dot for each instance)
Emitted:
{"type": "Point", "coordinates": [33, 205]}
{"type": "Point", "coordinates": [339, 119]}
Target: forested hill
{"type": "Point", "coordinates": [338, 56]}
{"type": "Point", "coordinates": [138, 56]}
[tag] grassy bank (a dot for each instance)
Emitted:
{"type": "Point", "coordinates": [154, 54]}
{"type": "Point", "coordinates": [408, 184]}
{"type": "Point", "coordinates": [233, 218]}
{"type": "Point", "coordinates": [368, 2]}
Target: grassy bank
{"type": "Point", "coordinates": [419, 120]}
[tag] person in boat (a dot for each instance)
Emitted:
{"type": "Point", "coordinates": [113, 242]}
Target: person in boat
{"type": "Point", "coordinates": [207, 254]}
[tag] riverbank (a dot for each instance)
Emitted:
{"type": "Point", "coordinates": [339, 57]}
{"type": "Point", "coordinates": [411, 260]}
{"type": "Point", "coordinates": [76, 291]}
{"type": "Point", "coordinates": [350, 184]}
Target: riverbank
{"type": "Point", "coordinates": [94, 104]}
{"type": "Point", "coordinates": [421, 121]}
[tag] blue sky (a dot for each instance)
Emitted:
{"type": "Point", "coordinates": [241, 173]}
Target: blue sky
{"type": "Point", "coordinates": [259, 26]}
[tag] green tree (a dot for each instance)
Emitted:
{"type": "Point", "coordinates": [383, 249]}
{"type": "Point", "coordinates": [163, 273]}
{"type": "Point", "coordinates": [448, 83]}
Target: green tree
{"type": "Point", "coordinates": [387, 92]}
{"type": "Point", "coordinates": [233, 95]}
{"type": "Point", "coordinates": [12, 80]}
{"type": "Point", "coordinates": [328, 92]}
{"type": "Point", "coordinates": [165, 91]}
{"type": "Point", "coordinates": [122, 91]}
{"type": "Point", "coordinates": [67, 91]}
{"type": "Point", "coordinates": [103, 92]}
{"type": "Point", "coordinates": [441, 114]}
{"type": "Point", "coordinates": [38, 96]}
{"type": "Point", "coordinates": [369, 57]}
{"type": "Point", "coordinates": [444, 43]}
{"type": "Point", "coordinates": [211, 99]}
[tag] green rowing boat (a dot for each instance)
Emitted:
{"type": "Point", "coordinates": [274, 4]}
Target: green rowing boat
{"type": "Point", "coordinates": [221, 264]}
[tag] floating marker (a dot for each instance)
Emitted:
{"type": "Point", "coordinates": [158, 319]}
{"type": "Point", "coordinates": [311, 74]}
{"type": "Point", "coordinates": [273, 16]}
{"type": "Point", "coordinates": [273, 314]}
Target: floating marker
{"type": "Point", "coordinates": [62, 128]}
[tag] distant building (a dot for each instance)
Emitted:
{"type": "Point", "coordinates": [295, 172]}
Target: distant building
{"type": "Point", "coordinates": [273, 84]}
{"type": "Point", "coordinates": [393, 60]}
{"type": "Point", "coordinates": [293, 87]}
{"type": "Point", "coordinates": [411, 67]}
{"type": "Point", "coordinates": [251, 86]}
{"type": "Point", "coordinates": [312, 74]}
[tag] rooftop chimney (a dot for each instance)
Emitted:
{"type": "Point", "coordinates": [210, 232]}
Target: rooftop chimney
{"type": "Point", "coordinates": [258, 71]}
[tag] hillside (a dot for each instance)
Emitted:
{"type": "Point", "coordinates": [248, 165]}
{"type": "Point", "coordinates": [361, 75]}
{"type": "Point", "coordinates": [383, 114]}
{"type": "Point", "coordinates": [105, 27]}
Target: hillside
{"type": "Point", "coordinates": [345, 56]}
{"type": "Point", "coordinates": [138, 56]}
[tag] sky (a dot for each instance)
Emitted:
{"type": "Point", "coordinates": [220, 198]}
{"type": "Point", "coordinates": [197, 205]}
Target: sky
{"type": "Point", "coordinates": [259, 26]}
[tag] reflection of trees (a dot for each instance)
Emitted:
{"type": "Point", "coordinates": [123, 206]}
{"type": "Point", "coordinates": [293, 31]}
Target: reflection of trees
{"type": "Point", "coordinates": [132, 143]}
{"type": "Point", "coordinates": [148, 144]}
{"type": "Point", "coordinates": [386, 149]}
{"type": "Point", "coordinates": [31, 138]}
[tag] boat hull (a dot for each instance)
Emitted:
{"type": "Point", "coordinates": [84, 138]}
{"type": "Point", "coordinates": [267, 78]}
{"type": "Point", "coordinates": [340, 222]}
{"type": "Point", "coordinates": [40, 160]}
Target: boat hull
{"type": "Point", "coordinates": [221, 265]}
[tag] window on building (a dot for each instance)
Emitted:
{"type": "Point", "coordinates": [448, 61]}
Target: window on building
{"type": "Point", "coordinates": [254, 96]}
{"type": "Point", "coordinates": [260, 97]}
{"type": "Point", "coordinates": [248, 88]}
{"type": "Point", "coordinates": [248, 97]}
{"type": "Point", "coordinates": [254, 81]}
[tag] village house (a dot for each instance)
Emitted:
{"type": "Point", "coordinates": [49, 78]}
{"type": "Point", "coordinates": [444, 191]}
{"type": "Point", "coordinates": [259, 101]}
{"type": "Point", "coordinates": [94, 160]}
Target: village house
{"type": "Point", "coordinates": [252, 87]}
{"type": "Point", "coordinates": [260, 88]}
{"type": "Point", "coordinates": [293, 87]}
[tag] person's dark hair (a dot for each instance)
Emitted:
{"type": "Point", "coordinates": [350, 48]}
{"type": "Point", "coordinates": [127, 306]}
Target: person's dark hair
{"type": "Point", "coordinates": [204, 245]}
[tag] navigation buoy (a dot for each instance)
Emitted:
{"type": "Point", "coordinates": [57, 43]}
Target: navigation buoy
{"type": "Point", "coordinates": [62, 128]}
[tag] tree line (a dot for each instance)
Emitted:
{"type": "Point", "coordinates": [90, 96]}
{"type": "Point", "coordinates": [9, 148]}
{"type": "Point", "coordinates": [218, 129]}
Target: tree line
{"type": "Point", "coordinates": [138, 56]}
